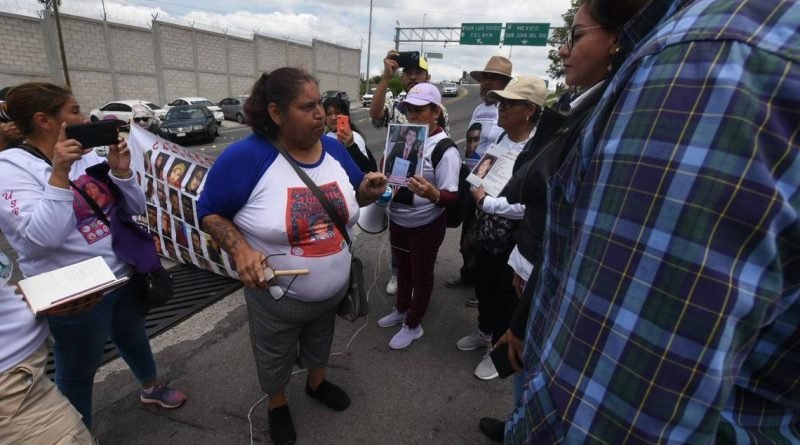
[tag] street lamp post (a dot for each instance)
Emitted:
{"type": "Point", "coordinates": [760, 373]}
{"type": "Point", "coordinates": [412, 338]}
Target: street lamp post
{"type": "Point", "coordinates": [422, 42]}
{"type": "Point", "coordinates": [369, 43]}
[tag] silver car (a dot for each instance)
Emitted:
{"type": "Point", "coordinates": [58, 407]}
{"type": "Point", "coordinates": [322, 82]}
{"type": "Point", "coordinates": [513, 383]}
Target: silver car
{"type": "Point", "coordinates": [233, 108]}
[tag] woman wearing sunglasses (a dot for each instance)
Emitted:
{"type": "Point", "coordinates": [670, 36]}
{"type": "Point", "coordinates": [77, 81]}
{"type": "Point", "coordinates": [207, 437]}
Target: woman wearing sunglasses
{"type": "Point", "coordinates": [590, 55]}
{"type": "Point", "coordinates": [145, 119]}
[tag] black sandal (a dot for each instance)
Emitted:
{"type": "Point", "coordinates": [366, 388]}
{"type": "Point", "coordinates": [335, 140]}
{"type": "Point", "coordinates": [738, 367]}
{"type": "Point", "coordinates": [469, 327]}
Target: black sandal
{"type": "Point", "coordinates": [329, 394]}
{"type": "Point", "coordinates": [281, 428]}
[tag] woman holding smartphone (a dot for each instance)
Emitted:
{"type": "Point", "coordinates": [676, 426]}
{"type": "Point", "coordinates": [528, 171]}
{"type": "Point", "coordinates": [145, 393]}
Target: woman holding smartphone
{"type": "Point", "coordinates": [417, 228]}
{"type": "Point", "coordinates": [348, 135]}
{"type": "Point", "coordinates": [41, 225]}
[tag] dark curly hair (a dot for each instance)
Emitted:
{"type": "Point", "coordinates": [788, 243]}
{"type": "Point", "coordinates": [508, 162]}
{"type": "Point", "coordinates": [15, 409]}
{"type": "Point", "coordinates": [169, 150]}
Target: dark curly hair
{"type": "Point", "coordinates": [279, 87]}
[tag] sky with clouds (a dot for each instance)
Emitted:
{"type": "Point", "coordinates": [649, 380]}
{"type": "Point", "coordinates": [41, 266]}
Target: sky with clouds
{"type": "Point", "coordinates": [339, 21]}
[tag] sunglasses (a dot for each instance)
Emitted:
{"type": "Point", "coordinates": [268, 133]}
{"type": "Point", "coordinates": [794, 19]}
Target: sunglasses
{"type": "Point", "coordinates": [472, 139]}
{"type": "Point", "coordinates": [141, 119]}
{"type": "Point", "coordinates": [508, 103]}
{"type": "Point", "coordinates": [576, 33]}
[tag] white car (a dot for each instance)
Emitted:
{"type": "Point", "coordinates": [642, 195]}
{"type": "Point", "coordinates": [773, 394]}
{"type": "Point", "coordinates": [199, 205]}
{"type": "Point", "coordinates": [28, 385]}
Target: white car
{"type": "Point", "coordinates": [366, 100]}
{"type": "Point", "coordinates": [122, 110]}
{"type": "Point", "coordinates": [217, 111]}
{"type": "Point", "coordinates": [449, 89]}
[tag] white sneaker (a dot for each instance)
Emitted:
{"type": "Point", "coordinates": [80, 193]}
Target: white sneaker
{"type": "Point", "coordinates": [391, 286]}
{"type": "Point", "coordinates": [485, 369]}
{"type": "Point", "coordinates": [476, 339]}
{"type": "Point", "coordinates": [392, 319]}
{"type": "Point", "coordinates": [405, 336]}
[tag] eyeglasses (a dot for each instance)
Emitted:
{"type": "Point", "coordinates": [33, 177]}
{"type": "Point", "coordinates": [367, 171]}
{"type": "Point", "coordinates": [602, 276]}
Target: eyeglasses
{"type": "Point", "coordinates": [573, 37]}
{"type": "Point", "coordinates": [141, 119]}
{"type": "Point", "coordinates": [508, 103]}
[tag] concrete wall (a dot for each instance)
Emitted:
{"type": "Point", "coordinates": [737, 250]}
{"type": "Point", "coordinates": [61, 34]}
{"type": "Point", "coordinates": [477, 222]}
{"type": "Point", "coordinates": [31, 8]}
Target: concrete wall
{"type": "Point", "coordinates": [23, 52]}
{"type": "Point", "coordinates": [109, 61]}
{"type": "Point", "coordinates": [337, 67]}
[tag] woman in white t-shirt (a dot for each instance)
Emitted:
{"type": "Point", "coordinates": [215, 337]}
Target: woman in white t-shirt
{"type": "Point", "coordinates": [256, 206]}
{"type": "Point", "coordinates": [417, 224]}
{"type": "Point", "coordinates": [520, 106]}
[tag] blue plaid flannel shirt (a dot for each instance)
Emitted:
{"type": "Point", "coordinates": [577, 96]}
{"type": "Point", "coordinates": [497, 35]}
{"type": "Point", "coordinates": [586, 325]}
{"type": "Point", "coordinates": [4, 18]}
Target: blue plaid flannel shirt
{"type": "Point", "coordinates": [667, 310]}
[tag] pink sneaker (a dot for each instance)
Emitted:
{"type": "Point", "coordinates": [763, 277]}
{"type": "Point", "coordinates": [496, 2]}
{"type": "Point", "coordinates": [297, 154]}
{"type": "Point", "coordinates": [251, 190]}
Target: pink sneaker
{"type": "Point", "coordinates": [163, 395]}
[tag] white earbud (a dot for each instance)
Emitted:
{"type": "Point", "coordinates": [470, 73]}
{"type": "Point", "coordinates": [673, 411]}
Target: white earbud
{"type": "Point", "coordinates": [276, 292]}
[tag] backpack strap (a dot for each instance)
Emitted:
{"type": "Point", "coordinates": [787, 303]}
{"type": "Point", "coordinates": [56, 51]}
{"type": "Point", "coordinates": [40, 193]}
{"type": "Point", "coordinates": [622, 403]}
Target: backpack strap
{"type": "Point", "coordinates": [500, 138]}
{"type": "Point", "coordinates": [438, 151]}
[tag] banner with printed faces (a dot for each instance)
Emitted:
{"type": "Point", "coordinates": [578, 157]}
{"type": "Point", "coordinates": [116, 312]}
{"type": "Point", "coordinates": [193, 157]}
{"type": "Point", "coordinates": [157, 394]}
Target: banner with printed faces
{"type": "Point", "coordinates": [172, 178]}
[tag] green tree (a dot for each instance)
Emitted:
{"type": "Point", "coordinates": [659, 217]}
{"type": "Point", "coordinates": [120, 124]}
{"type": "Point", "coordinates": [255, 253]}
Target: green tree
{"type": "Point", "coordinates": [559, 37]}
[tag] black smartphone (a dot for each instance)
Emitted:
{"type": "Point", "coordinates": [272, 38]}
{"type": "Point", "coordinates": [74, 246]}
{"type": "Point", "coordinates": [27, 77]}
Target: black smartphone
{"type": "Point", "coordinates": [95, 134]}
{"type": "Point", "coordinates": [408, 59]}
{"type": "Point", "coordinates": [501, 362]}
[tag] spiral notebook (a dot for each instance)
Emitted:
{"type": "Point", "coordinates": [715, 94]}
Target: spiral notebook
{"type": "Point", "coordinates": [53, 289]}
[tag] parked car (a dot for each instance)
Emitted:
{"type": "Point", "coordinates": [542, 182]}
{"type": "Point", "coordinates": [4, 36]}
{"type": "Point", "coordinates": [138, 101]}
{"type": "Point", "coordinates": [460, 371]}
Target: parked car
{"type": "Point", "coordinates": [122, 110]}
{"type": "Point", "coordinates": [233, 108]}
{"type": "Point", "coordinates": [334, 93]}
{"type": "Point", "coordinates": [189, 123]}
{"type": "Point", "coordinates": [199, 101]}
{"type": "Point", "coordinates": [449, 89]}
{"type": "Point", "coordinates": [366, 100]}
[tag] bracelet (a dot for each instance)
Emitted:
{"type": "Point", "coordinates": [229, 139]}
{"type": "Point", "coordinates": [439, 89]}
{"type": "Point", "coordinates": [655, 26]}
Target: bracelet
{"type": "Point", "coordinates": [438, 197]}
{"type": "Point", "coordinates": [122, 175]}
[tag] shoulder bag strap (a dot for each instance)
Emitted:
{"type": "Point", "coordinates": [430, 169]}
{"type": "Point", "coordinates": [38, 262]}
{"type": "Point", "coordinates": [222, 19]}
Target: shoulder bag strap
{"type": "Point", "coordinates": [34, 151]}
{"type": "Point", "coordinates": [326, 203]}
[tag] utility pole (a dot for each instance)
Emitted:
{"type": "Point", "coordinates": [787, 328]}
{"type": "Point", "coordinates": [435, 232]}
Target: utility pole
{"type": "Point", "coordinates": [369, 43]}
{"type": "Point", "coordinates": [61, 42]}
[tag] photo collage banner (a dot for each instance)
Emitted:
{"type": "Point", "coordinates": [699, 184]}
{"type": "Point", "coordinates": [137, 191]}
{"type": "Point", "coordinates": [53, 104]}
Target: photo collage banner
{"type": "Point", "coordinates": [172, 178]}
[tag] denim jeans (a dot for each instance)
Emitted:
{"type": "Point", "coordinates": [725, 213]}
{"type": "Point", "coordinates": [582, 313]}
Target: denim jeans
{"type": "Point", "coordinates": [80, 340]}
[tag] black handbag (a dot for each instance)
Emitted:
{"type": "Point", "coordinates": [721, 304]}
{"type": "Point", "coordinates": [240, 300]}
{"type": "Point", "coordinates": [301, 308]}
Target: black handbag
{"type": "Point", "coordinates": [355, 303]}
{"type": "Point", "coordinates": [494, 233]}
{"type": "Point", "coordinates": [155, 288]}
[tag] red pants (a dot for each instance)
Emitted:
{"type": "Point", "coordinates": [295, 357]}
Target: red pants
{"type": "Point", "coordinates": [415, 251]}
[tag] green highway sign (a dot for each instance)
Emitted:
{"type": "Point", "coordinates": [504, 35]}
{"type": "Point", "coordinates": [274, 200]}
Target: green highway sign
{"type": "Point", "coordinates": [526, 34]}
{"type": "Point", "coordinates": [480, 33]}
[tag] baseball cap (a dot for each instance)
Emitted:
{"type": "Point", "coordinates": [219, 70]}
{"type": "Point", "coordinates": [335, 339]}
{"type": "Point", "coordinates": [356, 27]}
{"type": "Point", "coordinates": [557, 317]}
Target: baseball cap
{"type": "Point", "coordinates": [421, 94]}
{"type": "Point", "coordinates": [528, 88]}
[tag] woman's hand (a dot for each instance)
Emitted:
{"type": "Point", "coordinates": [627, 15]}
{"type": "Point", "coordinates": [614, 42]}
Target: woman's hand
{"type": "Point", "coordinates": [514, 349]}
{"type": "Point", "coordinates": [477, 193]}
{"type": "Point", "coordinates": [345, 136]}
{"type": "Point", "coordinates": [424, 189]}
{"type": "Point", "coordinates": [65, 153]}
{"type": "Point", "coordinates": [518, 283]}
{"type": "Point", "coordinates": [371, 188]}
{"type": "Point", "coordinates": [250, 265]}
{"type": "Point", "coordinates": [119, 159]}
